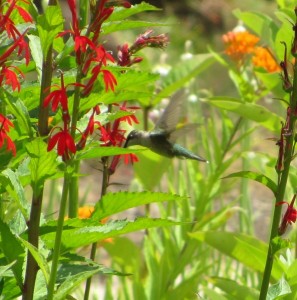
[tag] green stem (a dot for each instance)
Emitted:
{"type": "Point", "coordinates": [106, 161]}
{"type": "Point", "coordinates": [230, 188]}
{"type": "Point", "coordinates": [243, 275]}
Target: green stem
{"type": "Point", "coordinates": [57, 246]}
{"type": "Point", "coordinates": [74, 185]}
{"type": "Point", "coordinates": [105, 181]}
{"type": "Point", "coordinates": [33, 223]}
{"type": "Point", "coordinates": [46, 80]}
{"type": "Point", "coordinates": [289, 141]}
{"type": "Point", "coordinates": [145, 128]}
{"type": "Point", "coordinates": [73, 192]}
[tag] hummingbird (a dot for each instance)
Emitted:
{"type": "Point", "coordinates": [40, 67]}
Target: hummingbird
{"type": "Point", "coordinates": [162, 139]}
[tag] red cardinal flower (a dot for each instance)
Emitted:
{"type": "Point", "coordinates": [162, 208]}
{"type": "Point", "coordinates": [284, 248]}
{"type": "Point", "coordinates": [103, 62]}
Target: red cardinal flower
{"type": "Point", "coordinates": [80, 41]}
{"type": "Point", "coordinates": [10, 77]}
{"type": "Point", "coordinates": [4, 129]}
{"type": "Point", "coordinates": [64, 141]}
{"type": "Point", "coordinates": [289, 217]}
{"type": "Point", "coordinates": [59, 96]}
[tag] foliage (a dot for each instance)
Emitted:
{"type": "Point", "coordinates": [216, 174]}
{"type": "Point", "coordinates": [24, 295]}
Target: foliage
{"type": "Point", "coordinates": [67, 100]}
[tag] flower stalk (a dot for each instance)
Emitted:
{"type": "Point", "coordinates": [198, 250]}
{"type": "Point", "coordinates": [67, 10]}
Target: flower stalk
{"type": "Point", "coordinates": [58, 238]}
{"type": "Point", "coordinates": [286, 154]}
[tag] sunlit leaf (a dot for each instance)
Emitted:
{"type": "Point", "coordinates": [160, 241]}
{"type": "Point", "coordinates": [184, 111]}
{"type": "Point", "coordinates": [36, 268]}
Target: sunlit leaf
{"type": "Point", "coordinates": [39, 258]}
{"type": "Point", "coordinates": [71, 275]}
{"type": "Point", "coordinates": [278, 289]}
{"type": "Point", "coordinates": [234, 289]}
{"type": "Point", "coordinates": [109, 27]}
{"type": "Point", "coordinates": [246, 249]}
{"type": "Point", "coordinates": [266, 181]}
{"type": "Point", "coordinates": [13, 251]}
{"type": "Point", "coordinates": [251, 111]}
{"type": "Point", "coordinates": [43, 164]}
{"type": "Point", "coordinates": [49, 25]}
{"type": "Point", "coordinates": [86, 235]}
{"type": "Point", "coordinates": [99, 152]}
{"type": "Point", "coordinates": [122, 13]}
{"type": "Point", "coordinates": [113, 203]}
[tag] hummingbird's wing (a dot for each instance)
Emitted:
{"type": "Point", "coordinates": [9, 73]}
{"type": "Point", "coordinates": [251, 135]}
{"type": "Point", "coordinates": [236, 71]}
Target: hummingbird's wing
{"type": "Point", "coordinates": [171, 114]}
{"type": "Point", "coordinates": [182, 131]}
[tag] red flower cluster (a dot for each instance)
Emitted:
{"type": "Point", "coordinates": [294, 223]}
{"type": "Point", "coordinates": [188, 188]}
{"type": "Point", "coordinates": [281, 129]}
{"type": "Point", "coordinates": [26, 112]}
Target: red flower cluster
{"type": "Point", "coordinates": [88, 51]}
{"type": "Point", "coordinates": [4, 129]}
{"type": "Point", "coordinates": [125, 53]}
{"type": "Point", "coordinates": [289, 217]}
{"type": "Point", "coordinates": [115, 136]}
{"type": "Point", "coordinates": [9, 75]}
{"type": "Point", "coordinates": [63, 139]}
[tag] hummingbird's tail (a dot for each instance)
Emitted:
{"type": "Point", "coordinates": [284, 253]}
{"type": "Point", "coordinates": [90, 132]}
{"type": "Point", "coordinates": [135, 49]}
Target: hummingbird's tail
{"type": "Point", "coordinates": [181, 152]}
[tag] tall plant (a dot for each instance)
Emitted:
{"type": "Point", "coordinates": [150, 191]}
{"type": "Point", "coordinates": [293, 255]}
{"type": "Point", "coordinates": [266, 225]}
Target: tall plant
{"type": "Point", "coordinates": [50, 124]}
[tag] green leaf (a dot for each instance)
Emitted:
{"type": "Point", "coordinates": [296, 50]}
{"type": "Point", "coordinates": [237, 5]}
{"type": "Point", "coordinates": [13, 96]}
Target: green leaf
{"type": "Point", "coordinates": [6, 270]}
{"type": "Point", "coordinates": [132, 85]}
{"type": "Point", "coordinates": [98, 152]}
{"type": "Point", "coordinates": [43, 164]}
{"type": "Point", "coordinates": [49, 25]}
{"type": "Point", "coordinates": [278, 289]}
{"type": "Point", "coordinates": [36, 52]}
{"type": "Point", "coordinates": [151, 163]}
{"type": "Point", "coordinates": [121, 13]}
{"type": "Point", "coordinates": [245, 249]}
{"type": "Point", "coordinates": [232, 288]}
{"type": "Point", "coordinates": [39, 258]}
{"type": "Point", "coordinates": [257, 177]}
{"type": "Point", "coordinates": [11, 290]}
{"type": "Point", "coordinates": [13, 251]}
{"type": "Point", "coordinates": [251, 111]}
{"type": "Point", "coordinates": [72, 275]}
{"type": "Point", "coordinates": [19, 110]}
{"type": "Point", "coordinates": [125, 253]}
{"type": "Point", "coordinates": [109, 27]}
{"type": "Point", "coordinates": [16, 191]}
{"type": "Point", "coordinates": [113, 203]}
{"type": "Point", "coordinates": [256, 21]}
{"type": "Point", "coordinates": [86, 235]}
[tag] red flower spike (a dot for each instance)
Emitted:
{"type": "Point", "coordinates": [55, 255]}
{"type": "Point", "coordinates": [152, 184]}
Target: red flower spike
{"type": "Point", "coordinates": [64, 141]}
{"type": "Point", "coordinates": [130, 118]}
{"type": "Point", "coordinates": [10, 146]}
{"type": "Point", "coordinates": [80, 42]}
{"type": "Point", "coordinates": [102, 14]}
{"type": "Point", "coordinates": [10, 77]}
{"type": "Point", "coordinates": [4, 128]}
{"type": "Point", "coordinates": [109, 80]}
{"type": "Point", "coordinates": [24, 14]}
{"type": "Point", "coordinates": [289, 217]}
{"type": "Point", "coordinates": [23, 46]}
{"type": "Point", "coordinates": [101, 56]}
{"type": "Point", "coordinates": [59, 96]}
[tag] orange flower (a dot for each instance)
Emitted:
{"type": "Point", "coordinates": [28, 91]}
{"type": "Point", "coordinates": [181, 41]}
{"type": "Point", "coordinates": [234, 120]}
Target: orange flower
{"type": "Point", "coordinates": [263, 58]}
{"type": "Point", "coordinates": [240, 43]}
{"type": "Point", "coordinates": [85, 212]}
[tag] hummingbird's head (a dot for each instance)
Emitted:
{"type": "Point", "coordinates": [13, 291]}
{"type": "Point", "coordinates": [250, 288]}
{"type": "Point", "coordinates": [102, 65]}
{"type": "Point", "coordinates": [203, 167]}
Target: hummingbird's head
{"type": "Point", "coordinates": [132, 138]}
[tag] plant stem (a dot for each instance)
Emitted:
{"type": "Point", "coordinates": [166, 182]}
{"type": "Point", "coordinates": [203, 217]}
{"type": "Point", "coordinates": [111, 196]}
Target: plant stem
{"type": "Point", "coordinates": [46, 79]}
{"type": "Point", "coordinates": [145, 128]}
{"type": "Point", "coordinates": [105, 181]}
{"type": "Point", "coordinates": [74, 186]}
{"type": "Point", "coordinates": [57, 246]}
{"type": "Point", "coordinates": [289, 141]}
{"type": "Point", "coordinates": [33, 236]}
{"type": "Point", "coordinates": [33, 223]}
